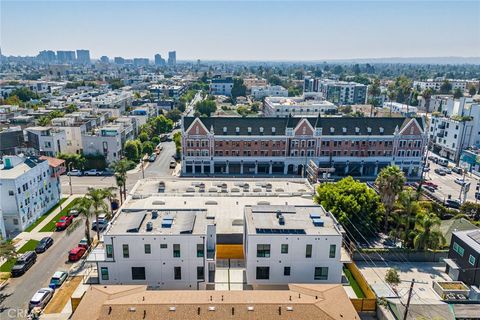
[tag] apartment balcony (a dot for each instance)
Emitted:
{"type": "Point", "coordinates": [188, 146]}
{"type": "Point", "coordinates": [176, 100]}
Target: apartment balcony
{"type": "Point", "coordinates": [441, 126]}
{"type": "Point", "coordinates": [441, 134]}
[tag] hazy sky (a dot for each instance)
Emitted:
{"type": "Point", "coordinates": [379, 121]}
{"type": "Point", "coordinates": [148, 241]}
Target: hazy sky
{"type": "Point", "coordinates": [244, 30]}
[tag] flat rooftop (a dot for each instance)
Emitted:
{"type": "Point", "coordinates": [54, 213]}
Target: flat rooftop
{"type": "Point", "coordinates": [160, 222]}
{"type": "Point", "coordinates": [288, 219]}
{"type": "Point", "coordinates": [222, 200]}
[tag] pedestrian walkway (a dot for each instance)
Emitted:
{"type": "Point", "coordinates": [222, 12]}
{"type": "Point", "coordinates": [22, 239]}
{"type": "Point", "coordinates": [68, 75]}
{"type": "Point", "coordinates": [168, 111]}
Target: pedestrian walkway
{"type": "Point", "coordinates": [35, 234]}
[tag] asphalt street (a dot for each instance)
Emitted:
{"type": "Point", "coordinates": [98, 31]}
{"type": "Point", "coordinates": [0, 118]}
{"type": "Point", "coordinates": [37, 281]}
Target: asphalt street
{"type": "Point", "coordinates": [20, 290]}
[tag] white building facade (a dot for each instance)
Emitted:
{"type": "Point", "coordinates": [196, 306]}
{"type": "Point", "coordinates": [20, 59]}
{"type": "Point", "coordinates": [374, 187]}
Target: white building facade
{"type": "Point", "coordinates": [46, 141]}
{"type": "Point", "coordinates": [296, 107]}
{"type": "Point", "coordinates": [260, 92]}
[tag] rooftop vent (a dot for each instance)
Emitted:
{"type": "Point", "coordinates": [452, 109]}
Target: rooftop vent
{"type": "Point", "coordinates": [250, 308]}
{"type": "Point", "coordinates": [317, 222]}
{"type": "Point", "coordinates": [172, 308]}
{"type": "Point", "coordinates": [149, 226]}
{"type": "Point", "coordinates": [167, 222]}
{"type": "Point", "coordinates": [154, 214]}
{"type": "Point", "coordinates": [211, 308]}
{"type": "Point", "coordinates": [132, 309]}
{"type": "Point", "coordinates": [289, 308]}
{"type": "Point", "coordinates": [281, 220]}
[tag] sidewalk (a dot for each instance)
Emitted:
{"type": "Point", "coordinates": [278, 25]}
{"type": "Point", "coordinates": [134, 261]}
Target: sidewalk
{"type": "Point", "coordinates": [35, 234]}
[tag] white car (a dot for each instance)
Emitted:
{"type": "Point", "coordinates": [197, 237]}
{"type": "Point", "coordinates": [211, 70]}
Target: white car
{"type": "Point", "coordinates": [74, 172]}
{"type": "Point", "coordinates": [460, 181]}
{"type": "Point", "coordinates": [41, 298]}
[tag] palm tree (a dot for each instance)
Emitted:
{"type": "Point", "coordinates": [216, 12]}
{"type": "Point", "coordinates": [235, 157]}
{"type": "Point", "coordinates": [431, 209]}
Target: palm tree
{"type": "Point", "coordinates": [390, 183]}
{"type": "Point", "coordinates": [406, 209]}
{"type": "Point", "coordinates": [110, 195]}
{"type": "Point", "coordinates": [427, 237]}
{"type": "Point", "coordinates": [99, 206]}
{"type": "Point", "coordinates": [121, 167]}
{"type": "Point", "coordinates": [84, 207]}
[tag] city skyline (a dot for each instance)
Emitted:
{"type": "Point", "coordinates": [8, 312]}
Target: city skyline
{"type": "Point", "coordinates": [247, 30]}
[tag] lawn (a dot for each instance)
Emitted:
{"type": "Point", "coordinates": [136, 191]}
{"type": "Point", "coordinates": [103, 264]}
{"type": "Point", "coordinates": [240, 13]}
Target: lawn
{"type": "Point", "coordinates": [29, 246]}
{"type": "Point", "coordinates": [353, 283]}
{"type": "Point", "coordinates": [50, 226]}
{"type": "Point", "coordinates": [33, 225]}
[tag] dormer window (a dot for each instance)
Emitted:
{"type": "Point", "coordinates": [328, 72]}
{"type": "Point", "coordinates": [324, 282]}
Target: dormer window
{"type": "Point", "coordinates": [237, 130]}
{"type": "Point", "coordinates": [357, 130]}
{"type": "Point", "coordinates": [224, 129]}
{"type": "Point", "coordinates": [332, 130]}
{"type": "Point", "coordinates": [249, 129]}
{"type": "Point", "coordinates": [261, 130]}
{"type": "Point", "coordinates": [369, 130]}
{"type": "Point", "coordinates": [344, 130]}
{"type": "Point", "coordinates": [381, 130]}
{"type": "Point", "coordinates": [274, 130]}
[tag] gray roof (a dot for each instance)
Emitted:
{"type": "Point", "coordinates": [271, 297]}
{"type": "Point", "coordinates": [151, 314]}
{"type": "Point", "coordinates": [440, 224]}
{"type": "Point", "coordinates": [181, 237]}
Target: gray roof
{"type": "Point", "coordinates": [281, 124]}
{"type": "Point", "coordinates": [471, 238]}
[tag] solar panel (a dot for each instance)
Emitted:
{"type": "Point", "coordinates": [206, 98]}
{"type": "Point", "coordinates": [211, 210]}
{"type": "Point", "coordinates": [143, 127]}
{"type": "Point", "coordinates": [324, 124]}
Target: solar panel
{"type": "Point", "coordinates": [317, 222]}
{"type": "Point", "coordinates": [314, 215]}
{"type": "Point", "coordinates": [167, 223]}
{"type": "Point", "coordinates": [279, 231]}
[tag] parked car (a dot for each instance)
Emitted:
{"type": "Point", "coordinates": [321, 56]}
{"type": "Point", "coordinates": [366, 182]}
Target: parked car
{"type": "Point", "coordinates": [93, 172]}
{"type": "Point", "coordinates": [108, 172]}
{"type": "Point", "coordinates": [152, 157]}
{"type": "Point", "coordinates": [63, 223]}
{"type": "Point", "coordinates": [74, 213]}
{"type": "Point", "coordinates": [431, 184]}
{"type": "Point", "coordinates": [74, 172]}
{"type": "Point", "coordinates": [83, 243]}
{"type": "Point", "coordinates": [58, 279]}
{"type": "Point", "coordinates": [460, 181]}
{"type": "Point", "coordinates": [440, 172]}
{"type": "Point", "coordinates": [457, 170]}
{"type": "Point", "coordinates": [101, 223]}
{"type": "Point", "coordinates": [433, 158]}
{"type": "Point", "coordinates": [76, 254]}
{"type": "Point", "coordinates": [44, 244]}
{"type": "Point", "coordinates": [173, 164]}
{"type": "Point", "coordinates": [477, 195]}
{"type": "Point", "coordinates": [443, 162]}
{"type": "Point", "coordinates": [447, 170]}
{"type": "Point", "coordinates": [430, 188]}
{"type": "Point", "coordinates": [452, 203]}
{"type": "Point", "coordinates": [25, 262]}
{"type": "Point", "coordinates": [41, 298]}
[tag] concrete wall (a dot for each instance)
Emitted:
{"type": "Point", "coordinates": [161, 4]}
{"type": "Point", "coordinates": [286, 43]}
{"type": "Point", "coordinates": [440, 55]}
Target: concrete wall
{"type": "Point", "coordinates": [402, 256]}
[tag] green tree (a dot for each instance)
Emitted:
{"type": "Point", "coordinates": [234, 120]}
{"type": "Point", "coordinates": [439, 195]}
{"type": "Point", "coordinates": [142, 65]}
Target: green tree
{"type": "Point", "coordinates": [73, 160]}
{"type": "Point", "coordinates": [71, 108]}
{"type": "Point", "coordinates": [294, 91]}
{"type": "Point", "coordinates": [24, 94]}
{"type": "Point", "coordinates": [162, 125]}
{"type": "Point", "coordinates": [472, 90]}
{"type": "Point", "coordinates": [427, 96]}
{"type": "Point", "coordinates": [115, 83]}
{"type": "Point", "coordinates": [239, 89]}
{"type": "Point", "coordinates": [392, 277]}
{"type": "Point", "coordinates": [353, 203]}
{"type": "Point", "coordinates": [471, 210]}
{"type": "Point", "coordinates": [97, 198]}
{"type": "Point", "coordinates": [177, 139]}
{"type": "Point", "coordinates": [457, 93]}
{"type": "Point", "coordinates": [155, 140]}
{"type": "Point", "coordinates": [147, 147]}
{"type": "Point", "coordinates": [143, 137]}
{"type": "Point", "coordinates": [446, 87]}
{"type": "Point", "coordinates": [44, 121]}
{"type": "Point", "coordinates": [206, 107]}
{"type": "Point", "coordinates": [427, 237]}
{"type": "Point", "coordinates": [13, 100]}
{"type": "Point", "coordinates": [121, 167]}
{"type": "Point", "coordinates": [7, 249]}
{"type": "Point", "coordinates": [174, 115]}
{"type": "Point", "coordinates": [405, 212]}
{"type": "Point", "coordinates": [390, 183]}
{"type": "Point", "coordinates": [374, 93]}
{"type": "Point", "coordinates": [84, 207]}
{"type": "Point", "coordinates": [132, 150]}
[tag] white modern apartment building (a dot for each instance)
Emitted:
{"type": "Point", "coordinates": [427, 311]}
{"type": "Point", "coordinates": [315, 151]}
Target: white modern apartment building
{"type": "Point", "coordinates": [47, 141]}
{"type": "Point", "coordinates": [166, 249]}
{"type": "Point", "coordinates": [219, 86]}
{"type": "Point", "coordinates": [260, 92]}
{"type": "Point", "coordinates": [456, 127]}
{"type": "Point", "coordinates": [296, 107]}
{"type": "Point", "coordinates": [404, 110]}
{"type": "Point", "coordinates": [338, 92]}
{"type": "Point", "coordinates": [435, 84]}
{"type": "Point", "coordinates": [291, 244]}
{"type": "Point", "coordinates": [3, 232]}
{"type": "Point", "coordinates": [108, 140]}
{"type": "Point", "coordinates": [29, 187]}
{"type": "Point", "coordinates": [114, 101]}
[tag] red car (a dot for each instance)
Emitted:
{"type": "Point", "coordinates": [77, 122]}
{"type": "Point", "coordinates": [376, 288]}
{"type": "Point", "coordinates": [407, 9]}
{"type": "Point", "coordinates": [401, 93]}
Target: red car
{"type": "Point", "coordinates": [64, 222]}
{"type": "Point", "coordinates": [76, 254]}
{"type": "Point", "coordinates": [431, 184]}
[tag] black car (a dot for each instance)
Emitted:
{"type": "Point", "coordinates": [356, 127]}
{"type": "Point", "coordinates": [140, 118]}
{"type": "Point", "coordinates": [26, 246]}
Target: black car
{"type": "Point", "coordinates": [44, 244]}
{"type": "Point", "coordinates": [24, 263]}
{"type": "Point", "coordinates": [455, 204]}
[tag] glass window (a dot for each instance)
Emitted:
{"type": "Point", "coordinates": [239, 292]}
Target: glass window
{"type": "Point", "coordinates": [200, 251]}
{"type": "Point", "coordinates": [177, 273]}
{"type": "Point", "coordinates": [126, 253]}
{"type": "Point", "coordinates": [458, 249]}
{"type": "Point", "coordinates": [286, 271]}
{"type": "Point", "coordinates": [263, 251]}
{"type": "Point", "coordinates": [104, 273]}
{"type": "Point", "coordinates": [284, 248]}
{"type": "Point", "coordinates": [138, 273]}
{"type": "Point", "coordinates": [176, 251]}
{"type": "Point", "coordinates": [200, 273]}
{"type": "Point", "coordinates": [321, 273]}
{"type": "Point", "coordinates": [148, 248]}
{"type": "Point", "coordinates": [109, 250]}
{"type": "Point", "coordinates": [333, 249]}
{"type": "Point", "coordinates": [263, 273]}
{"type": "Point", "coordinates": [308, 251]}
{"type": "Point", "coordinates": [163, 246]}
{"type": "Point", "coordinates": [471, 260]}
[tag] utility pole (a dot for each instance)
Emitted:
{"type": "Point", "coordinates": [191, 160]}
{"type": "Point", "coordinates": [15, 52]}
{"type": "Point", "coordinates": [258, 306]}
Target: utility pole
{"type": "Point", "coordinates": [408, 300]}
{"type": "Point", "coordinates": [70, 177]}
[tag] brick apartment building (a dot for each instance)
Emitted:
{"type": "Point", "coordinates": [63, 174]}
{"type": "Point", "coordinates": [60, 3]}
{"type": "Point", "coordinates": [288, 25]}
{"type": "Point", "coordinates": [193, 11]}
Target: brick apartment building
{"type": "Point", "coordinates": [358, 147]}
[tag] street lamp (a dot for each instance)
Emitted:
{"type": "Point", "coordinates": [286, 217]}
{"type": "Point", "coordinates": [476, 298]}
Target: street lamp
{"type": "Point", "coordinates": [70, 177]}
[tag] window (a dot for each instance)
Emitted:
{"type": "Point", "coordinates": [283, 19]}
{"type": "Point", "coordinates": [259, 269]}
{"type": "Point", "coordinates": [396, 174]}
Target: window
{"type": "Point", "coordinates": [321, 273]}
{"type": "Point", "coordinates": [163, 246]}
{"type": "Point", "coordinates": [177, 273]}
{"type": "Point", "coordinates": [263, 273]}
{"type": "Point", "coordinates": [333, 249]}
{"type": "Point", "coordinates": [286, 271]}
{"type": "Point", "coordinates": [148, 248]}
{"type": "Point", "coordinates": [11, 193]}
{"type": "Point", "coordinates": [126, 253]}
{"type": "Point", "coordinates": [104, 273]}
{"type": "Point", "coordinates": [109, 250]}
{"type": "Point", "coordinates": [284, 248]}
{"type": "Point", "coordinates": [471, 260]}
{"type": "Point", "coordinates": [176, 251]}
{"type": "Point", "coordinates": [200, 273]}
{"type": "Point", "coordinates": [308, 251]}
{"type": "Point", "coordinates": [138, 273]}
{"type": "Point", "coordinates": [458, 249]}
{"type": "Point", "coordinates": [200, 251]}
{"type": "Point", "coordinates": [263, 251]}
